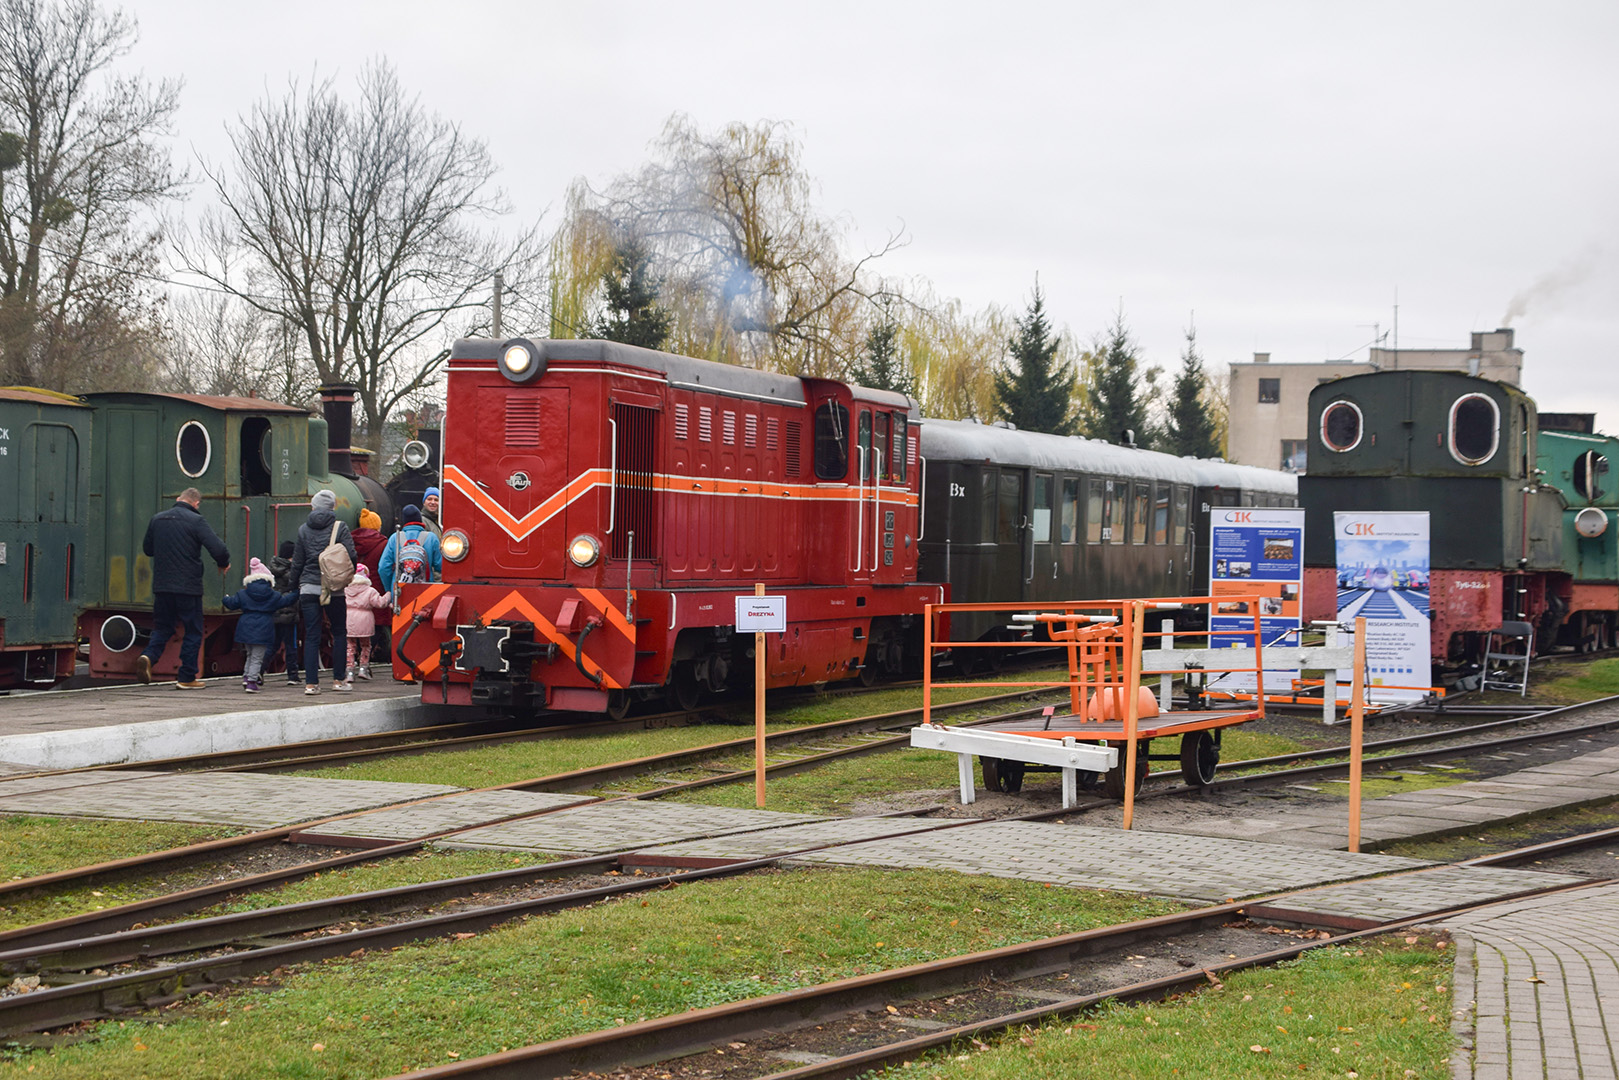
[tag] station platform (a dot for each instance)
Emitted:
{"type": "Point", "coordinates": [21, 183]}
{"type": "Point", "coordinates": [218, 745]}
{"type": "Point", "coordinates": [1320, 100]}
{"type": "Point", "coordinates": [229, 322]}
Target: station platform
{"type": "Point", "coordinates": [105, 725]}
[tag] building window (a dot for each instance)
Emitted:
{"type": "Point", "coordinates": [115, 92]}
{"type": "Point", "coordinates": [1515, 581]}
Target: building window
{"type": "Point", "coordinates": [1293, 454]}
{"type": "Point", "coordinates": [1270, 391]}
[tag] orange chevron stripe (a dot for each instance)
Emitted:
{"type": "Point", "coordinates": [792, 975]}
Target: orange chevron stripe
{"type": "Point", "coordinates": [515, 602]}
{"type": "Point", "coordinates": [520, 529]}
{"type": "Point", "coordinates": [614, 616]}
{"type": "Point", "coordinates": [422, 599]}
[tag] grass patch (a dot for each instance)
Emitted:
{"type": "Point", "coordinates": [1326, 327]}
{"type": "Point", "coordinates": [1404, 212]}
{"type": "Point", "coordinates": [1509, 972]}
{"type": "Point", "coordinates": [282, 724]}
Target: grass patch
{"type": "Point", "coordinates": [1375, 786]}
{"type": "Point", "coordinates": [1570, 682]}
{"type": "Point", "coordinates": [834, 787]}
{"type": "Point", "coordinates": [645, 956]}
{"type": "Point", "coordinates": [1242, 744]}
{"type": "Point", "coordinates": [31, 846]}
{"type": "Point", "coordinates": [1495, 838]}
{"type": "Point", "coordinates": [1381, 1009]}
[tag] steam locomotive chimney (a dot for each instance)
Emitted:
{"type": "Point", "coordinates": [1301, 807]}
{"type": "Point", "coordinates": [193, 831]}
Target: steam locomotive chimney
{"type": "Point", "coordinates": [337, 403]}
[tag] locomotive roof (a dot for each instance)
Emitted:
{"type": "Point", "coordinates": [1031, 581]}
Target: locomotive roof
{"type": "Point", "coordinates": [680, 370]}
{"type": "Point", "coordinates": [36, 396]}
{"type": "Point", "coordinates": [956, 440]}
{"type": "Point", "coordinates": [208, 401]}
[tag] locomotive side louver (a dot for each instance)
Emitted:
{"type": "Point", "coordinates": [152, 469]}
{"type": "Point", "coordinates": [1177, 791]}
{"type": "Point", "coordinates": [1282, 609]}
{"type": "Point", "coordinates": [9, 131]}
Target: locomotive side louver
{"type": "Point", "coordinates": [522, 420]}
{"type": "Point", "coordinates": [795, 442]}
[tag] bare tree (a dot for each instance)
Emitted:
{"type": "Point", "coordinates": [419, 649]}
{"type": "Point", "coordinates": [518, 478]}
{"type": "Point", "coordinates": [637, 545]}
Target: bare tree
{"type": "Point", "coordinates": [355, 225]}
{"type": "Point", "coordinates": [81, 165]}
{"type": "Point", "coordinates": [217, 344]}
{"type": "Point", "coordinates": [751, 272]}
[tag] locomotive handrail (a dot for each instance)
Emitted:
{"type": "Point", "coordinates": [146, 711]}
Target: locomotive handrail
{"type": "Point", "coordinates": [876, 510]}
{"type": "Point", "coordinates": [612, 483]}
{"type": "Point", "coordinates": [922, 500]}
{"type": "Point", "coordinates": [860, 512]}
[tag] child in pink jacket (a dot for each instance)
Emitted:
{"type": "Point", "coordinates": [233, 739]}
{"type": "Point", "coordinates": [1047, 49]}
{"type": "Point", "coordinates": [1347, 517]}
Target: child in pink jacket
{"type": "Point", "coordinates": [363, 603]}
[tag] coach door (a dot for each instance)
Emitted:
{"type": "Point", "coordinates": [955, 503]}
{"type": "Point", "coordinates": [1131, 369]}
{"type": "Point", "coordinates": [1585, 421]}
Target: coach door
{"type": "Point", "coordinates": [633, 525]}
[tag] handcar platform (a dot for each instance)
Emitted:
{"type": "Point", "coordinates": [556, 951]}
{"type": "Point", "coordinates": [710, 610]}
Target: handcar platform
{"type": "Point", "coordinates": [1152, 727]}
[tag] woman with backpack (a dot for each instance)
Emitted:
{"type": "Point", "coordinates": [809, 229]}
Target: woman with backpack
{"type": "Point", "coordinates": [412, 555]}
{"type": "Point", "coordinates": [322, 567]}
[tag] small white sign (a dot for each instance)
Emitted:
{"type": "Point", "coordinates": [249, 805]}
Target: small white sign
{"type": "Point", "coordinates": [761, 614]}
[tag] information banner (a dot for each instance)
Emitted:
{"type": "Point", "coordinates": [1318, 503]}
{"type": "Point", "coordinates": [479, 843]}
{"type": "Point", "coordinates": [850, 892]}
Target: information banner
{"type": "Point", "coordinates": [1256, 557]}
{"type": "Point", "coordinates": [1383, 575]}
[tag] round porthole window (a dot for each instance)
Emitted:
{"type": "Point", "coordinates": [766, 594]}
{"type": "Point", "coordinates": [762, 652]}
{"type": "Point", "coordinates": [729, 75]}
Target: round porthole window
{"type": "Point", "coordinates": [1475, 429]}
{"type": "Point", "coordinates": [193, 449]}
{"type": "Point", "coordinates": [1341, 426]}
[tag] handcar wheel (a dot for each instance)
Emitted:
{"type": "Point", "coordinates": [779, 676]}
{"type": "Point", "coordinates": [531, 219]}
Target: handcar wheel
{"type": "Point", "coordinates": [618, 704]}
{"type": "Point", "coordinates": [1199, 756]}
{"type": "Point", "coordinates": [1011, 776]}
{"type": "Point", "coordinates": [991, 768]}
{"type": "Point", "coordinates": [1113, 781]}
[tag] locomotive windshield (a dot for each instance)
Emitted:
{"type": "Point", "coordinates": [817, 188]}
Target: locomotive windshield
{"type": "Point", "coordinates": [1340, 426]}
{"type": "Point", "coordinates": [1589, 469]}
{"type": "Point", "coordinates": [831, 441]}
{"type": "Point", "coordinates": [1475, 427]}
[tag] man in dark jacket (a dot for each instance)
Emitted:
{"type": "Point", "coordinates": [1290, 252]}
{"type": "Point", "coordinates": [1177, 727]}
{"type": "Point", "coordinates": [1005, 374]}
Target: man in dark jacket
{"type": "Point", "coordinates": [174, 541]}
{"type": "Point", "coordinates": [314, 536]}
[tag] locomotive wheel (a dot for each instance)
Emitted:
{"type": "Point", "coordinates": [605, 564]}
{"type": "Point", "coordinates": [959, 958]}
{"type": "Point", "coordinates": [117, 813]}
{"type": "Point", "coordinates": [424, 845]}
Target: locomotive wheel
{"type": "Point", "coordinates": [1199, 756]}
{"type": "Point", "coordinates": [683, 692]}
{"type": "Point", "coordinates": [618, 704]}
{"type": "Point", "coordinates": [868, 670]}
{"type": "Point", "coordinates": [1113, 781]}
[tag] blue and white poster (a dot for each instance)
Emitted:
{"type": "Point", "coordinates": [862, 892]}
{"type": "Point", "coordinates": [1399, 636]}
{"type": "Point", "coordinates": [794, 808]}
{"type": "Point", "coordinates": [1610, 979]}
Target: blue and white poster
{"type": "Point", "coordinates": [1383, 571]}
{"type": "Point", "coordinates": [1256, 568]}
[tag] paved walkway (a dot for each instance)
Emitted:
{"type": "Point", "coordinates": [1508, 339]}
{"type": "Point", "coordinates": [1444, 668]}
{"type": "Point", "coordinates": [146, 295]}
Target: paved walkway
{"type": "Point", "coordinates": [462, 811]}
{"type": "Point", "coordinates": [1437, 811]}
{"type": "Point", "coordinates": [1537, 988]}
{"type": "Point", "coordinates": [1360, 905]}
{"type": "Point", "coordinates": [250, 799]}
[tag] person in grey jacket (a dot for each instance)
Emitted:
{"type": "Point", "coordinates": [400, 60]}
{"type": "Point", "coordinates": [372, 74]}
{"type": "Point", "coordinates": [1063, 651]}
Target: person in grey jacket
{"type": "Point", "coordinates": [174, 542]}
{"type": "Point", "coordinates": [314, 536]}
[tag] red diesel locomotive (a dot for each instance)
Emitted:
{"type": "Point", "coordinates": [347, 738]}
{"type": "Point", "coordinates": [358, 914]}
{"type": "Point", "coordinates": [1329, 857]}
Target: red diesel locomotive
{"type": "Point", "coordinates": [606, 504]}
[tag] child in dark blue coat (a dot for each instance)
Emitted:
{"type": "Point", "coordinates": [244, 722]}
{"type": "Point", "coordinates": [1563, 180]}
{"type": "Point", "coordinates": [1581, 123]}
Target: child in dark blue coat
{"type": "Point", "coordinates": [255, 630]}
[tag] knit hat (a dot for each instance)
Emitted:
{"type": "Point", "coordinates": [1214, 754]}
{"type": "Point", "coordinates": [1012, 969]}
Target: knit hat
{"type": "Point", "coordinates": [360, 571]}
{"type": "Point", "coordinates": [369, 519]}
{"type": "Point", "coordinates": [410, 515]}
{"type": "Point", "coordinates": [257, 571]}
{"type": "Point", "coordinates": [324, 500]}
{"type": "Point", "coordinates": [287, 548]}
{"type": "Point", "coordinates": [430, 493]}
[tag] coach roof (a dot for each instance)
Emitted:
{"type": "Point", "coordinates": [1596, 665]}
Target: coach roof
{"type": "Point", "coordinates": [955, 440]}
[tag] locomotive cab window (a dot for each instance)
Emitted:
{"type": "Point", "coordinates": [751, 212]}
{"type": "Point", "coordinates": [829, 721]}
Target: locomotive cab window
{"type": "Point", "coordinates": [1475, 429]}
{"type": "Point", "coordinates": [255, 456]}
{"type": "Point", "coordinates": [1341, 426]}
{"type": "Point", "coordinates": [831, 441]}
{"type": "Point", "coordinates": [897, 461]}
{"type": "Point", "coordinates": [867, 468]}
{"type": "Point", "coordinates": [1590, 469]}
{"type": "Point", "coordinates": [880, 445]}
{"type": "Point", "coordinates": [193, 449]}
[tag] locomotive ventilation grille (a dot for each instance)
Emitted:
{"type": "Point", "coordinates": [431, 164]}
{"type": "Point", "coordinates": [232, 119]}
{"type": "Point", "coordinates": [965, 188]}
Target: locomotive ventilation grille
{"type": "Point", "coordinates": [795, 439]}
{"type": "Point", "coordinates": [522, 420]}
{"type": "Point", "coordinates": [634, 497]}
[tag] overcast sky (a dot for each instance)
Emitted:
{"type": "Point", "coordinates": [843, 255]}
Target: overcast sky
{"type": "Point", "coordinates": [1286, 171]}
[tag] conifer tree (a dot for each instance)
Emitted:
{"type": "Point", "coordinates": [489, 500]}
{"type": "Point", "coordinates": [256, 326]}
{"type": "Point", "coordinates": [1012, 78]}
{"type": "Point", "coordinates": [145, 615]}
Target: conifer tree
{"type": "Point", "coordinates": [1115, 404]}
{"type": "Point", "coordinates": [881, 365]}
{"type": "Point", "coordinates": [1189, 431]}
{"type": "Point", "coordinates": [632, 313]}
{"type": "Point", "coordinates": [1036, 389]}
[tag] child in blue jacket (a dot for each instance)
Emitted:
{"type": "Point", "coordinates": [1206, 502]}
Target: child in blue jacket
{"type": "Point", "coordinates": [255, 630]}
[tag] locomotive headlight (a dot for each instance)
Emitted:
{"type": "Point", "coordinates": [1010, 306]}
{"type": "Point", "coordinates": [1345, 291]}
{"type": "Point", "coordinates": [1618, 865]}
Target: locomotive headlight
{"type": "Point", "coordinates": [454, 545]}
{"type": "Point", "coordinates": [521, 360]}
{"type": "Point", "coordinates": [584, 550]}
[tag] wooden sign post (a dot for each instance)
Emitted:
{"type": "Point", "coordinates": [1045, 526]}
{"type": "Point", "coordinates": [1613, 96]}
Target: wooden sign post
{"type": "Point", "coordinates": [762, 614]}
{"type": "Point", "coordinates": [1357, 726]}
{"type": "Point", "coordinates": [1132, 709]}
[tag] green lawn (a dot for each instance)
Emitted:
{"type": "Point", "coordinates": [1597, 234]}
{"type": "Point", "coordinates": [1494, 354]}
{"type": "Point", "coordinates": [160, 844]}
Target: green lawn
{"type": "Point", "coordinates": [647, 955]}
{"type": "Point", "coordinates": [1378, 1010]}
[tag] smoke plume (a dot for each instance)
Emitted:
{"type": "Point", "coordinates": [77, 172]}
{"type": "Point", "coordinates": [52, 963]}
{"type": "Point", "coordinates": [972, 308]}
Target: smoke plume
{"type": "Point", "coordinates": [1551, 285]}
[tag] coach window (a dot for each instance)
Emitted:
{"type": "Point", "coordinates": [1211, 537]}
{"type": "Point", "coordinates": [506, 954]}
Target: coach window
{"type": "Point", "coordinates": [1070, 510]}
{"type": "Point", "coordinates": [1009, 508]}
{"type": "Point", "coordinates": [1040, 519]}
{"type": "Point", "coordinates": [1095, 503]}
{"type": "Point", "coordinates": [896, 458]}
{"type": "Point", "coordinates": [1140, 512]}
{"type": "Point", "coordinates": [987, 494]}
{"type": "Point", "coordinates": [831, 441]}
{"type": "Point", "coordinates": [1475, 429]}
{"type": "Point", "coordinates": [1116, 512]}
{"type": "Point", "coordinates": [1160, 514]}
{"type": "Point", "coordinates": [1183, 499]}
{"type": "Point", "coordinates": [881, 462]}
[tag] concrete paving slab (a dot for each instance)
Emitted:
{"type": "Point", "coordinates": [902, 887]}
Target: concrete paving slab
{"type": "Point", "coordinates": [441, 815]}
{"type": "Point", "coordinates": [1360, 904]}
{"type": "Point", "coordinates": [600, 828]}
{"type": "Point", "coordinates": [251, 799]}
{"type": "Point", "coordinates": [1164, 864]}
